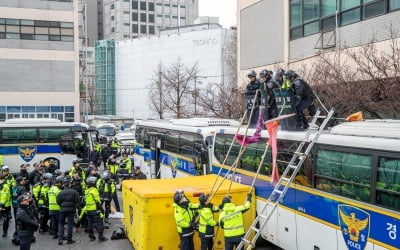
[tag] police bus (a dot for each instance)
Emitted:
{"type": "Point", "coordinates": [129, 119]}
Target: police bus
{"type": "Point", "coordinates": [346, 195]}
{"type": "Point", "coordinates": [27, 141]}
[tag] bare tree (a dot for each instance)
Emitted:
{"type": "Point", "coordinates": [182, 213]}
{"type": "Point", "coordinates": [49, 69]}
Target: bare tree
{"type": "Point", "coordinates": [156, 92]}
{"type": "Point", "coordinates": [178, 85]}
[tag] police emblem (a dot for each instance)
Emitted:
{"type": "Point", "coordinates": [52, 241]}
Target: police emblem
{"type": "Point", "coordinates": [354, 224]}
{"type": "Point", "coordinates": [27, 153]}
{"type": "Point", "coordinates": [174, 166]}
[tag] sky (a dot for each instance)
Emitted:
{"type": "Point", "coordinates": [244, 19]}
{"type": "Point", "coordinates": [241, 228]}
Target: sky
{"type": "Point", "coordinates": [224, 9]}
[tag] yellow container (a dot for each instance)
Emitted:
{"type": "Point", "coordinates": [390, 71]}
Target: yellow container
{"type": "Point", "coordinates": [149, 218]}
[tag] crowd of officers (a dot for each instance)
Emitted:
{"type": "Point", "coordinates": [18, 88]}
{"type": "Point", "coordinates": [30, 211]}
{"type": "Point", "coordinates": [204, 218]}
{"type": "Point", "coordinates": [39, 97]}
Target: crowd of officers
{"type": "Point", "coordinates": [271, 85]}
{"type": "Point", "coordinates": [46, 198]}
{"type": "Point", "coordinates": [200, 216]}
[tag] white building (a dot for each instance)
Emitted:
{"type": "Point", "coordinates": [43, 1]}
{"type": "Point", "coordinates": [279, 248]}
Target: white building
{"type": "Point", "coordinates": [136, 62]}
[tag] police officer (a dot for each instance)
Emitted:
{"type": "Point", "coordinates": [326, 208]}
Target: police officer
{"type": "Point", "coordinates": [16, 192]}
{"type": "Point", "coordinates": [26, 221]}
{"type": "Point", "coordinates": [231, 220]}
{"type": "Point", "coordinates": [251, 88]}
{"type": "Point", "coordinates": [107, 191]}
{"type": "Point", "coordinates": [9, 178]}
{"type": "Point", "coordinates": [126, 164]}
{"type": "Point", "coordinates": [138, 174]}
{"type": "Point", "coordinates": [206, 222]}
{"type": "Point", "coordinates": [113, 167]}
{"type": "Point", "coordinates": [268, 86]}
{"type": "Point", "coordinates": [5, 203]}
{"type": "Point", "coordinates": [68, 200]}
{"type": "Point", "coordinates": [185, 219]}
{"type": "Point", "coordinates": [304, 97]}
{"type": "Point", "coordinates": [76, 168]}
{"type": "Point", "coordinates": [54, 208]}
{"type": "Point", "coordinates": [114, 146]}
{"type": "Point", "coordinates": [105, 154]}
{"type": "Point", "coordinates": [40, 193]}
{"type": "Point", "coordinates": [34, 176]}
{"type": "Point", "coordinates": [24, 173]}
{"type": "Point", "coordinates": [93, 209]}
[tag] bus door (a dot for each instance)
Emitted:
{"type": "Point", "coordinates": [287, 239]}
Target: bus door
{"type": "Point", "coordinates": [67, 151]}
{"type": "Point", "coordinates": [92, 138]}
{"type": "Point", "coordinates": [157, 142]}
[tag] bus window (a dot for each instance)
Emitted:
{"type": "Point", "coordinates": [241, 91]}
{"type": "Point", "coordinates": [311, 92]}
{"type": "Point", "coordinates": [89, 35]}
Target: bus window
{"type": "Point", "coordinates": [388, 183]}
{"type": "Point", "coordinates": [343, 173]}
{"type": "Point", "coordinates": [18, 135]}
{"type": "Point", "coordinates": [186, 145]}
{"type": "Point", "coordinates": [172, 144]}
{"type": "Point", "coordinates": [52, 134]}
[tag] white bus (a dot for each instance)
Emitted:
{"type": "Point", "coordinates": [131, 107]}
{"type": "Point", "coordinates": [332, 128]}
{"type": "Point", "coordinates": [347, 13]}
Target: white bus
{"type": "Point", "coordinates": [27, 141]}
{"type": "Point", "coordinates": [107, 131]}
{"type": "Point", "coordinates": [346, 196]}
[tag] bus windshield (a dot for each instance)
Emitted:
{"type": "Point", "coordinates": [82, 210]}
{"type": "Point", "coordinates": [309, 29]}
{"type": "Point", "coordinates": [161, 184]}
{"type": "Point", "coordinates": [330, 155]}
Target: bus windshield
{"type": "Point", "coordinates": [107, 131]}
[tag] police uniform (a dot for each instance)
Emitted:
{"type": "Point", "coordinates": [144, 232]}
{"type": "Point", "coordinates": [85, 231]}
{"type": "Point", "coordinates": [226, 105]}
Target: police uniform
{"type": "Point", "coordinates": [5, 205]}
{"type": "Point", "coordinates": [231, 220]}
{"type": "Point", "coordinates": [206, 223]}
{"type": "Point", "coordinates": [54, 208]}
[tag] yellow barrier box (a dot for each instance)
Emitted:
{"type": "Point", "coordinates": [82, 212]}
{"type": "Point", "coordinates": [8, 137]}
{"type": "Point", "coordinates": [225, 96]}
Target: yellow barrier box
{"type": "Point", "coordinates": [149, 214]}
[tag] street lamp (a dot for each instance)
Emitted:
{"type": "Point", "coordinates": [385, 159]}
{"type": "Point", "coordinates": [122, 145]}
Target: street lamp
{"type": "Point", "coordinates": [195, 91]}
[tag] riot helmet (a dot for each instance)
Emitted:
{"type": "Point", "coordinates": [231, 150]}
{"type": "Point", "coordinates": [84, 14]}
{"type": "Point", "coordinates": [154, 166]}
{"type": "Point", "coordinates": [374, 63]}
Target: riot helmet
{"type": "Point", "coordinates": [251, 73]}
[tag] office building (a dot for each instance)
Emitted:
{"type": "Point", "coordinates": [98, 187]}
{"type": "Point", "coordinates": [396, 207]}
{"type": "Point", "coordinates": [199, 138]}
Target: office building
{"type": "Point", "coordinates": [291, 33]}
{"type": "Point", "coordinates": [126, 19]}
{"type": "Point", "coordinates": [39, 60]}
{"type": "Point", "coordinates": [137, 61]}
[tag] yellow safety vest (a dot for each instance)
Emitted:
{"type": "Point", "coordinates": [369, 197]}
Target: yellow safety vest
{"type": "Point", "coordinates": [231, 219]}
{"type": "Point", "coordinates": [5, 195]}
{"type": "Point", "coordinates": [206, 218]}
{"type": "Point", "coordinates": [53, 193]}
{"type": "Point", "coordinates": [92, 198]}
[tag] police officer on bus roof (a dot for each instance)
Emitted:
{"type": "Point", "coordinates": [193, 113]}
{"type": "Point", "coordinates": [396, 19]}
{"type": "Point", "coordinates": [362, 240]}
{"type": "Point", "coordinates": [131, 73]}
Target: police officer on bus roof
{"type": "Point", "coordinates": [304, 97]}
{"type": "Point", "coordinates": [26, 221]}
{"type": "Point", "coordinates": [206, 222]}
{"type": "Point", "coordinates": [68, 200]}
{"type": "Point", "coordinates": [93, 210]}
{"type": "Point", "coordinates": [268, 86]}
{"type": "Point", "coordinates": [277, 76]}
{"type": "Point", "coordinates": [251, 88]}
{"type": "Point", "coordinates": [185, 219]}
{"type": "Point", "coordinates": [233, 225]}
{"type": "Point", "coordinates": [5, 203]}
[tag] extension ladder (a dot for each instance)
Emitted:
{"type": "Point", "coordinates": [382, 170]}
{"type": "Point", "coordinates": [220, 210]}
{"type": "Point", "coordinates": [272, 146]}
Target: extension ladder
{"type": "Point", "coordinates": [280, 190]}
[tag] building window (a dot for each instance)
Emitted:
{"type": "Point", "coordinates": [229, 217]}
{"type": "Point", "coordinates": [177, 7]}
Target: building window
{"type": "Point", "coordinates": [328, 7]}
{"type": "Point", "coordinates": [143, 29]}
{"type": "Point", "coordinates": [143, 17]}
{"type": "Point", "coordinates": [374, 9]}
{"type": "Point", "coordinates": [134, 16]}
{"type": "Point", "coordinates": [142, 5]}
{"type": "Point", "coordinates": [112, 6]}
{"type": "Point", "coordinates": [112, 18]}
{"type": "Point", "coordinates": [394, 4]}
{"type": "Point", "coordinates": [350, 16]}
{"type": "Point", "coordinates": [348, 4]}
{"type": "Point", "coordinates": [112, 29]}
{"type": "Point", "coordinates": [151, 30]}
{"type": "Point", "coordinates": [295, 13]}
{"type": "Point", "coordinates": [310, 10]}
{"type": "Point", "coordinates": [135, 5]}
{"type": "Point", "coordinates": [311, 28]}
{"type": "Point", "coordinates": [151, 6]}
{"type": "Point", "coordinates": [135, 28]}
{"type": "Point", "coordinates": [151, 18]}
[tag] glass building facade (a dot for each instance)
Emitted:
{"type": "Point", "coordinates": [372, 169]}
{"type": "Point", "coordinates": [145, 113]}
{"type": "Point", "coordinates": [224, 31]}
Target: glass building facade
{"type": "Point", "coordinates": [105, 77]}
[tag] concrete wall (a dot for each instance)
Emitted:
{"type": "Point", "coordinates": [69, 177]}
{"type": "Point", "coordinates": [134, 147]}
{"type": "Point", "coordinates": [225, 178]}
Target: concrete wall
{"type": "Point", "coordinates": [35, 4]}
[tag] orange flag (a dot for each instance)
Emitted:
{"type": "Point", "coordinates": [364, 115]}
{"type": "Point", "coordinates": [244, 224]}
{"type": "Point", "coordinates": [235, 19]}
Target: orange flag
{"type": "Point", "coordinates": [272, 128]}
{"type": "Point", "coordinates": [355, 117]}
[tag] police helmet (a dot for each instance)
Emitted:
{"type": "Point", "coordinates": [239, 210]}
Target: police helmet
{"type": "Point", "coordinates": [251, 73]}
{"type": "Point", "coordinates": [178, 196]}
{"type": "Point", "coordinates": [106, 175]}
{"type": "Point", "coordinates": [278, 74]}
{"type": "Point", "coordinates": [91, 181]}
{"type": "Point", "coordinates": [203, 198]}
{"type": "Point", "coordinates": [47, 176]}
{"type": "Point", "coordinates": [67, 180]}
{"type": "Point", "coordinates": [264, 73]}
{"type": "Point", "coordinates": [5, 168]}
{"type": "Point", "coordinates": [227, 199]}
{"type": "Point", "coordinates": [59, 180]}
{"type": "Point", "coordinates": [75, 161]}
{"type": "Point", "coordinates": [289, 74]}
{"type": "Point", "coordinates": [19, 179]}
{"type": "Point", "coordinates": [57, 172]}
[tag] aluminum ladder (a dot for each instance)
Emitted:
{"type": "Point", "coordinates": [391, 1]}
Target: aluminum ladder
{"type": "Point", "coordinates": [279, 190]}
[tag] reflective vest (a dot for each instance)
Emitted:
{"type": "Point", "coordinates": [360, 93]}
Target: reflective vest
{"type": "Point", "coordinates": [36, 191]}
{"type": "Point", "coordinates": [206, 220]}
{"type": "Point", "coordinates": [43, 197]}
{"type": "Point", "coordinates": [5, 195]}
{"type": "Point", "coordinates": [92, 198]}
{"type": "Point", "coordinates": [183, 217]}
{"type": "Point", "coordinates": [114, 144]}
{"type": "Point", "coordinates": [81, 173]}
{"type": "Point", "coordinates": [286, 85]}
{"type": "Point", "coordinates": [53, 193]}
{"type": "Point", "coordinates": [128, 164]}
{"type": "Point", "coordinates": [10, 181]}
{"type": "Point", "coordinates": [98, 147]}
{"type": "Point", "coordinates": [113, 167]}
{"type": "Point", "coordinates": [1, 160]}
{"type": "Point", "coordinates": [231, 219]}
{"type": "Point", "coordinates": [100, 185]}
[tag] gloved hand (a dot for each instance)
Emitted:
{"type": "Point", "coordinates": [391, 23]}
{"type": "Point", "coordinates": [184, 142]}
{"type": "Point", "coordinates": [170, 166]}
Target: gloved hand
{"type": "Point", "coordinates": [249, 197]}
{"type": "Point", "coordinates": [210, 205]}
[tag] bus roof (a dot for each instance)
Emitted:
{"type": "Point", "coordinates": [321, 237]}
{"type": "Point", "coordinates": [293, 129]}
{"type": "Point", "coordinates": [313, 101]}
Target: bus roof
{"type": "Point", "coordinates": [32, 121]}
{"type": "Point", "coordinates": [41, 122]}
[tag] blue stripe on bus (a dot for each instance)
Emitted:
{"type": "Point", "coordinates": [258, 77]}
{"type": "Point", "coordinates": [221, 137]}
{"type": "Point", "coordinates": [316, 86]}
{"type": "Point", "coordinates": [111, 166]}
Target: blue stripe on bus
{"type": "Point", "coordinates": [40, 149]}
{"type": "Point", "coordinates": [321, 207]}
